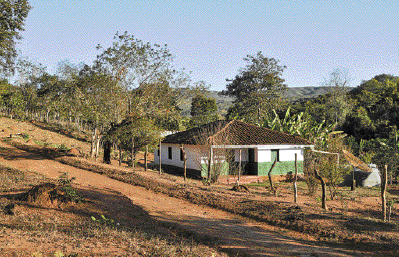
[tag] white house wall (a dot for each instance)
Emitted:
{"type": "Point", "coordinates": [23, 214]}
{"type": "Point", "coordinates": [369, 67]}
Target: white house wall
{"type": "Point", "coordinates": [193, 155]}
{"type": "Point", "coordinates": [264, 155]}
{"type": "Point", "coordinates": [289, 155]}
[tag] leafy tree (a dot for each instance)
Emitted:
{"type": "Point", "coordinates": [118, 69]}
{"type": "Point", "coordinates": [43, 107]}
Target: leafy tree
{"type": "Point", "coordinates": [28, 72]}
{"type": "Point", "coordinates": [323, 137]}
{"type": "Point", "coordinates": [378, 106]}
{"type": "Point", "coordinates": [359, 125]}
{"type": "Point", "coordinates": [94, 104]}
{"type": "Point", "coordinates": [257, 89]}
{"type": "Point", "coordinates": [203, 110]}
{"type": "Point", "coordinates": [13, 100]}
{"type": "Point", "coordinates": [12, 18]}
{"type": "Point", "coordinates": [49, 92]}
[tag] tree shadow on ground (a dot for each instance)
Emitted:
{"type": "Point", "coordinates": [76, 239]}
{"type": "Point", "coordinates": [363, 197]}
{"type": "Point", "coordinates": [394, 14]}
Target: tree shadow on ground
{"type": "Point", "coordinates": [57, 128]}
{"type": "Point", "coordinates": [242, 239]}
{"type": "Point", "coordinates": [97, 203]}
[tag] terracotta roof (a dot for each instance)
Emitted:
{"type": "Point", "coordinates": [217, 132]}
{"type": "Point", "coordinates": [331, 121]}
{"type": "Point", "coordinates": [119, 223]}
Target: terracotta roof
{"type": "Point", "coordinates": [233, 133]}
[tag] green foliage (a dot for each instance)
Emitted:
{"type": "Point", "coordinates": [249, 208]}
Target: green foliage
{"type": "Point", "coordinates": [63, 147]}
{"type": "Point", "coordinates": [377, 108]}
{"type": "Point", "coordinates": [12, 19]}
{"type": "Point", "coordinates": [103, 220]}
{"type": "Point", "coordinates": [203, 111]}
{"type": "Point", "coordinates": [257, 89]}
{"type": "Point", "coordinates": [300, 124]}
{"type": "Point", "coordinates": [70, 193]}
{"type": "Point", "coordinates": [323, 137]}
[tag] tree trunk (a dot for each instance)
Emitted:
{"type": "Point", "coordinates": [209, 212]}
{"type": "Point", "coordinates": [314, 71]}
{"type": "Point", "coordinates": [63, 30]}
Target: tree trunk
{"type": "Point", "coordinates": [353, 186]}
{"type": "Point", "coordinates": [184, 162]}
{"type": "Point", "coordinates": [107, 152]}
{"type": "Point", "coordinates": [145, 158]}
{"type": "Point", "coordinates": [120, 154]}
{"type": "Point", "coordinates": [210, 164]}
{"type": "Point", "coordinates": [269, 174]}
{"type": "Point", "coordinates": [323, 187]}
{"type": "Point", "coordinates": [383, 193]}
{"type": "Point", "coordinates": [48, 116]}
{"type": "Point", "coordinates": [93, 143]}
{"type": "Point", "coordinates": [295, 180]}
{"type": "Point", "coordinates": [98, 139]}
{"type": "Point", "coordinates": [239, 165]}
{"type": "Point", "coordinates": [133, 155]}
{"type": "Point", "coordinates": [160, 158]}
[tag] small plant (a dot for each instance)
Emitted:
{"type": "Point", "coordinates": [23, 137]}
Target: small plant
{"type": "Point", "coordinates": [25, 136]}
{"type": "Point", "coordinates": [70, 193]}
{"type": "Point", "coordinates": [103, 220]}
{"type": "Point", "coordinates": [63, 148]}
{"type": "Point", "coordinates": [60, 254]}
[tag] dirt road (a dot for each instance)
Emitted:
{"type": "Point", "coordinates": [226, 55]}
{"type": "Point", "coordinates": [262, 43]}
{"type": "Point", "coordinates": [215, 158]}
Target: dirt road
{"type": "Point", "coordinates": [243, 236]}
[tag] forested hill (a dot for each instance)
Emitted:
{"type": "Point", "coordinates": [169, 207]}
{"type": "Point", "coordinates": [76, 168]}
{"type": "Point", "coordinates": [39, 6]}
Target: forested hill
{"type": "Point", "coordinates": [224, 102]}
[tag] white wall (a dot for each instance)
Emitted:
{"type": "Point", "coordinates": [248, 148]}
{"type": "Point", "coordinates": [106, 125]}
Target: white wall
{"type": "Point", "coordinates": [193, 155]}
{"type": "Point", "coordinates": [196, 155]}
{"type": "Point", "coordinates": [289, 155]}
{"type": "Point", "coordinates": [264, 155]}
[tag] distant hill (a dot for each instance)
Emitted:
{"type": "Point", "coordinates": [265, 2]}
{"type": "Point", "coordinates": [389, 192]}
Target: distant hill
{"type": "Point", "coordinates": [224, 102]}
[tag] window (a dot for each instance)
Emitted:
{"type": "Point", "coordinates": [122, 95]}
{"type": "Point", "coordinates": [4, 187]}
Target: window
{"type": "Point", "coordinates": [170, 153]}
{"type": "Point", "coordinates": [275, 155]}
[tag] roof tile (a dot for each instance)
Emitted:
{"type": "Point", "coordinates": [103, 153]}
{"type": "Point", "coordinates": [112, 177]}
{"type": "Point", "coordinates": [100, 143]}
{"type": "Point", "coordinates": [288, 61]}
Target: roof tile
{"type": "Point", "coordinates": [233, 133]}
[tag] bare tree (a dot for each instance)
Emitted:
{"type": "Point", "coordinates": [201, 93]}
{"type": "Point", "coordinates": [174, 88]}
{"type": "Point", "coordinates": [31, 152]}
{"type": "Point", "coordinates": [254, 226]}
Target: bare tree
{"type": "Point", "coordinates": [338, 82]}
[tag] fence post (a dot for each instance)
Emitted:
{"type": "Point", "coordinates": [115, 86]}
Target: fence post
{"type": "Point", "coordinates": [295, 180]}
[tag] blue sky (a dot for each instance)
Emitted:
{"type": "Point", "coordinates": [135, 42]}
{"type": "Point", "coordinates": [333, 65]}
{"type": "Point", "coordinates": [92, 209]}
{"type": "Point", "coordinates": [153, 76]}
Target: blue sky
{"type": "Point", "coordinates": [211, 38]}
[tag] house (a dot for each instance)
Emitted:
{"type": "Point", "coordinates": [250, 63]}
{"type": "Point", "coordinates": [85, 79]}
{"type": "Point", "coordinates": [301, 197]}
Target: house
{"type": "Point", "coordinates": [227, 144]}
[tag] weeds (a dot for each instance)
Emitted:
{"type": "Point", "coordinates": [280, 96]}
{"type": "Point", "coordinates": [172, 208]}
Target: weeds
{"type": "Point", "coordinates": [63, 148]}
{"type": "Point", "coordinates": [103, 220]}
{"type": "Point", "coordinates": [70, 193]}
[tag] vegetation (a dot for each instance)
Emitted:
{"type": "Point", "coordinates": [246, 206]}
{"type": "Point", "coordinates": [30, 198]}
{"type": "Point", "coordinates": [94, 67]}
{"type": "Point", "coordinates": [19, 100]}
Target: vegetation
{"type": "Point", "coordinates": [12, 19]}
{"type": "Point", "coordinates": [257, 89]}
{"type": "Point", "coordinates": [203, 111]}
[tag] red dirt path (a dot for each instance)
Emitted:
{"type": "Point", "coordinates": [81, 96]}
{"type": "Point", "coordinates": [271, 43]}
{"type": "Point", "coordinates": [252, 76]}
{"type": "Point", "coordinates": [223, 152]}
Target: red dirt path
{"type": "Point", "coordinates": [233, 232]}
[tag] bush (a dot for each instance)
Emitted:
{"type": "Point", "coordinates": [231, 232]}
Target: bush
{"type": "Point", "coordinates": [70, 193]}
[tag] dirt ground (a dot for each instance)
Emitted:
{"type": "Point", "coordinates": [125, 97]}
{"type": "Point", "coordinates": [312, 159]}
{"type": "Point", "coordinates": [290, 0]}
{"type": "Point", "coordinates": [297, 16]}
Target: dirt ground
{"type": "Point", "coordinates": [232, 233]}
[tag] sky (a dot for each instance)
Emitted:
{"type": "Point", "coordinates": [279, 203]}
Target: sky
{"type": "Point", "coordinates": [211, 38]}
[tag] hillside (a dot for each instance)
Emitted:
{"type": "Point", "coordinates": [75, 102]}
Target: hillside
{"type": "Point", "coordinates": [224, 102]}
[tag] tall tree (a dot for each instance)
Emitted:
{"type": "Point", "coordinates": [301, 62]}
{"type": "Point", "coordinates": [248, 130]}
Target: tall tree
{"type": "Point", "coordinates": [339, 102]}
{"type": "Point", "coordinates": [203, 110]}
{"type": "Point", "coordinates": [257, 89]}
{"type": "Point", "coordinates": [12, 17]}
{"type": "Point", "coordinates": [28, 73]}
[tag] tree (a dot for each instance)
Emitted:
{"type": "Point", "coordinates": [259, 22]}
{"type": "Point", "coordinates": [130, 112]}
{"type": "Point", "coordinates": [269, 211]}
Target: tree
{"type": "Point", "coordinates": [49, 92]}
{"type": "Point", "coordinates": [203, 110]}
{"type": "Point", "coordinates": [12, 18]}
{"type": "Point", "coordinates": [338, 102]}
{"type": "Point", "coordinates": [257, 89]}
{"type": "Point", "coordinates": [377, 104]}
{"type": "Point", "coordinates": [28, 73]}
{"type": "Point", "coordinates": [94, 88]}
